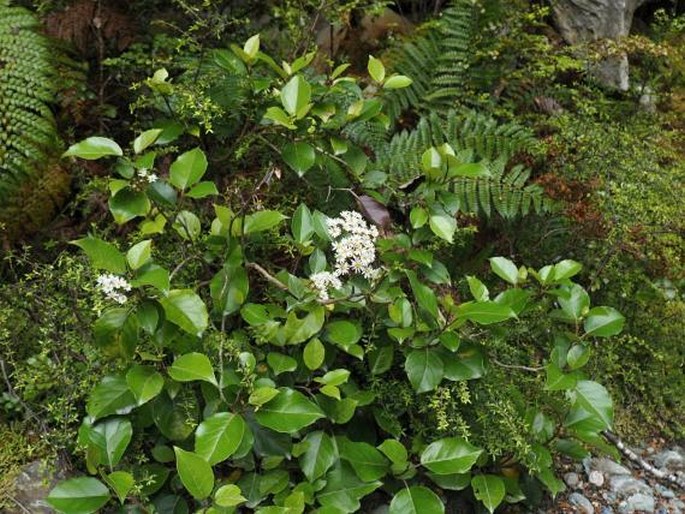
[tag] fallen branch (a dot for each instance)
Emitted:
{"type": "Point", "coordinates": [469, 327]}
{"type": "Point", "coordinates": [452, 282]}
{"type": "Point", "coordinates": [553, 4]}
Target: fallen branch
{"type": "Point", "coordinates": [657, 473]}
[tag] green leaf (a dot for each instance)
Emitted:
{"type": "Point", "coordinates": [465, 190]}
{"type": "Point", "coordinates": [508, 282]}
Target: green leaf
{"type": "Point", "coordinates": [396, 452]}
{"type": "Point", "coordinates": [229, 496]}
{"type": "Point", "coordinates": [187, 310]}
{"type": "Point", "coordinates": [139, 254]}
{"type": "Point", "coordinates": [397, 82]}
{"type": "Point", "coordinates": [94, 148]}
{"type": "Point", "coordinates": [489, 489]}
{"type": "Point", "coordinates": [595, 399]}
{"type": "Point", "coordinates": [485, 313]}
{"type": "Point", "coordinates": [262, 395]}
{"type": "Point", "coordinates": [574, 301]}
{"type": "Point", "coordinates": [188, 168]}
{"type": "Point", "coordinates": [376, 69]}
{"type": "Point", "coordinates": [102, 255]}
{"type": "Point", "coordinates": [335, 377]}
{"type": "Point", "coordinates": [478, 290]}
{"type": "Point", "coordinates": [578, 356]}
{"type": "Point", "coordinates": [289, 412]}
{"type": "Point", "coordinates": [344, 489]}
{"type": "Point", "coordinates": [298, 330]}
{"type": "Point", "coordinates": [111, 437]}
{"type": "Point", "coordinates": [261, 221]}
{"type": "Point", "coordinates": [280, 363]}
{"type": "Point", "coordinates": [191, 367]}
{"type": "Point", "coordinates": [505, 269]}
{"type": "Point", "coordinates": [302, 224]}
{"type": "Point", "coordinates": [424, 295]}
{"type": "Point", "coordinates": [380, 359]}
{"type": "Point", "coordinates": [144, 382]}
{"type": "Point", "coordinates": [603, 322]}
{"type": "Point", "coordinates": [146, 139]}
{"type": "Point", "coordinates": [425, 369]}
{"type": "Point", "coordinates": [187, 225]}
{"type": "Point", "coordinates": [121, 482]}
{"type": "Point", "coordinates": [127, 204]}
{"type": "Point", "coordinates": [321, 454]}
{"type": "Point", "coordinates": [195, 473]}
{"type": "Point", "coordinates": [295, 95]}
{"type": "Point", "coordinates": [343, 333]}
{"type": "Point", "coordinates": [176, 418]}
{"type": "Point", "coordinates": [314, 354]}
{"type": "Point", "coordinates": [450, 455]}
{"type": "Point", "coordinates": [229, 289]}
{"type": "Point", "coordinates": [416, 500]}
{"type": "Point", "coordinates": [279, 116]}
{"type": "Point", "coordinates": [566, 269]}
{"type": "Point", "coordinates": [367, 462]}
{"type": "Point", "coordinates": [443, 225]}
{"type": "Point", "coordinates": [219, 436]}
{"type": "Point", "coordinates": [418, 217]}
{"type": "Point", "coordinates": [152, 275]}
{"type": "Point", "coordinates": [203, 190]}
{"type": "Point", "coordinates": [110, 396]}
{"type": "Point", "coordinates": [81, 495]}
{"type": "Point", "coordinates": [466, 364]}
{"type": "Point", "coordinates": [558, 380]}
{"type": "Point", "coordinates": [299, 156]}
{"type": "Point", "coordinates": [455, 482]}
{"type": "Point", "coordinates": [251, 47]}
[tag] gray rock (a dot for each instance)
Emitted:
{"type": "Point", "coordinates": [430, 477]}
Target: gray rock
{"type": "Point", "coordinates": [638, 503]}
{"type": "Point", "coordinates": [626, 485]}
{"type": "Point", "coordinates": [584, 21]}
{"type": "Point", "coordinates": [572, 480]}
{"type": "Point", "coordinates": [670, 459]}
{"type": "Point", "coordinates": [34, 483]}
{"type": "Point", "coordinates": [596, 478]}
{"type": "Point", "coordinates": [609, 467]}
{"type": "Point", "coordinates": [664, 492]}
{"type": "Point", "coordinates": [583, 504]}
{"type": "Point", "coordinates": [607, 510]}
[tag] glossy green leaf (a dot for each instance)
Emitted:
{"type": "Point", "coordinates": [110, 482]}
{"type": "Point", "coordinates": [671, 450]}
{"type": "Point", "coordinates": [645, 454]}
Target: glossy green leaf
{"type": "Point", "coordinates": [468, 363]}
{"type": "Point", "coordinates": [102, 255]}
{"type": "Point", "coordinates": [188, 168]}
{"type": "Point", "coordinates": [192, 366]}
{"type": "Point", "coordinates": [603, 322]}
{"type": "Point", "coordinates": [557, 380]}
{"type": "Point", "coordinates": [455, 482]}
{"type": "Point", "coordinates": [489, 489]}
{"type": "Point", "coordinates": [566, 269]}
{"type": "Point", "coordinates": [183, 307]}
{"type": "Point", "coordinates": [314, 354]}
{"type": "Point", "coordinates": [578, 356]}
{"type": "Point", "coordinates": [152, 275]}
{"type": "Point", "coordinates": [111, 436]}
{"type": "Point", "coordinates": [302, 224]}
{"type": "Point", "coordinates": [449, 456]}
{"type": "Point", "coordinates": [110, 396]}
{"type": "Point", "coordinates": [485, 312]}
{"type": "Point", "coordinates": [261, 221]}
{"type": "Point", "coordinates": [280, 363]}
{"type": "Point", "coordinates": [279, 116]}
{"type": "Point", "coordinates": [295, 95]}
{"type": "Point", "coordinates": [219, 436]}
{"type": "Point", "coordinates": [416, 500]}
{"type": "Point", "coordinates": [229, 289]}
{"type": "Point", "coordinates": [121, 483]}
{"type": "Point", "coordinates": [344, 489]}
{"type": "Point", "coordinates": [139, 254]}
{"type": "Point", "coordinates": [443, 225]}
{"type": "Point", "coordinates": [376, 69]}
{"type": "Point", "coordinates": [203, 190]}
{"type": "Point", "coordinates": [343, 333]}
{"type": "Point", "coordinates": [94, 148]}
{"type": "Point", "coordinates": [81, 495]}
{"type": "Point", "coordinates": [195, 473]}
{"type": "Point", "coordinates": [127, 204]}
{"type": "Point", "coordinates": [187, 225]}
{"type": "Point", "coordinates": [299, 156]}
{"type": "Point", "coordinates": [251, 47]}
{"type": "Point", "coordinates": [595, 399]}
{"type": "Point", "coordinates": [574, 301]}
{"type": "Point", "coordinates": [289, 412]}
{"type": "Point", "coordinates": [320, 455]}
{"type": "Point", "coordinates": [380, 359]}
{"type": "Point", "coordinates": [368, 463]}
{"type": "Point", "coordinates": [505, 269]}
{"type": "Point", "coordinates": [146, 139]}
{"type": "Point", "coordinates": [424, 295]}
{"type": "Point", "coordinates": [229, 496]}
{"type": "Point", "coordinates": [425, 369]}
{"type": "Point", "coordinates": [478, 290]}
{"type": "Point", "coordinates": [262, 395]}
{"type": "Point", "coordinates": [397, 82]}
{"type": "Point", "coordinates": [176, 418]}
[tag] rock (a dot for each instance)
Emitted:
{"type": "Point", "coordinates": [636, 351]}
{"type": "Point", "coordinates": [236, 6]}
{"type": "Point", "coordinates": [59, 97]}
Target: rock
{"type": "Point", "coordinates": [607, 510]}
{"type": "Point", "coordinates": [596, 478]}
{"type": "Point", "coordinates": [34, 483]}
{"type": "Point", "coordinates": [609, 467]}
{"type": "Point", "coordinates": [638, 503]}
{"type": "Point", "coordinates": [583, 504]}
{"type": "Point", "coordinates": [584, 21]}
{"type": "Point", "coordinates": [572, 480]}
{"type": "Point", "coordinates": [626, 485]}
{"type": "Point", "coordinates": [670, 459]}
{"type": "Point", "coordinates": [664, 492]}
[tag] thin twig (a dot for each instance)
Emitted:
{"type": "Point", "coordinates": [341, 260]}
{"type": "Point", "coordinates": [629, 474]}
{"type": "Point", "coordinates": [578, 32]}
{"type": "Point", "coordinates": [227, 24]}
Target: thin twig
{"type": "Point", "coordinates": [19, 504]}
{"type": "Point", "coordinates": [270, 278]}
{"type": "Point", "coordinates": [516, 366]}
{"type": "Point", "coordinates": [659, 474]}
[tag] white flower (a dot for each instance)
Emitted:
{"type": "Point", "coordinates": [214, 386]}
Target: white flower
{"type": "Point", "coordinates": [145, 173]}
{"type": "Point", "coordinates": [324, 280]}
{"type": "Point", "coordinates": [112, 286]}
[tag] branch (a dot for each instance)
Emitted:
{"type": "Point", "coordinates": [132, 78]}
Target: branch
{"type": "Point", "coordinates": [515, 366]}
{"type": "Point", "coordinates": [270, 278]}
{"type": "Point", "coordinates": [659, 474]}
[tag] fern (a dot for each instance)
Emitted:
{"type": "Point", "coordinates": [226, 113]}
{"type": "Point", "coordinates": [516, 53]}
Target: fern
{"type": "Point", "coordinates": [28, 135]}
{"type": "Point", "coordinates": [474, 137]}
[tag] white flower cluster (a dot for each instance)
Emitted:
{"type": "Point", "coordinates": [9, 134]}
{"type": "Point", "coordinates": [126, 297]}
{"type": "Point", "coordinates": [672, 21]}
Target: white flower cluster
{"type": "Point", "coordinates": [354, 249]}
{"type": "Point", "coordinates": [112, 286]}
{"type": "Point", "coordinates": [145, 173]}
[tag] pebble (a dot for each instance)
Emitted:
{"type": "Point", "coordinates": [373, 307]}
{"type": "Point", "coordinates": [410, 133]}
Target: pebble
{"type": "Point", "coordinates": [609, 467]}
{"type": "Point", "coordinates": [670, 459]}
{"type": "Point", "coordinates": [626, 485]}
{"type": "Point", "coordinates": [596, 478]}
{"type": "Point", "coordinates": [607, 510]}
{"type": "Point", "coordinates": [638, 503]}
{"type": "Point", "coordinates": [572, 480]}
{"type": "Point", "coordinates": [664, 492]}
{"type": "Point", "coordinates": [582, 503]}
